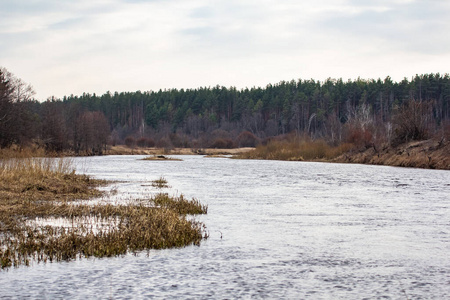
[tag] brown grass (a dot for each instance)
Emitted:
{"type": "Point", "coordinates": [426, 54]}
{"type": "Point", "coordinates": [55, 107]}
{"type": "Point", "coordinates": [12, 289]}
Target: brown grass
{"type": "Point", "coordinates": [160, 183]}
{"type": "Point", "coordinates": [18, 152]}
{"type": "Point", "coordinates": [42, 217]}
{"type": "Point", "coordinates": [296, 150]}
{"type": "Point", "coordinates": [180, 204]}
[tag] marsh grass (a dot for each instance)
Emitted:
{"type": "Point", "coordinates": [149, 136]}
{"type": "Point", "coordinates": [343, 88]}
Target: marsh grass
{"type": "Point", "coordinates": [296, 150]}
{"type": "Point", "coordinates": [160, 183]}
{"type": "Point", "coordinates": [43, 217]}
{"type": "Point", "coordinates": [180, 204]}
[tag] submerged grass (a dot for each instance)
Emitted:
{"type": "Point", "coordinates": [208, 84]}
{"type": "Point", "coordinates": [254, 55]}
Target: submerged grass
{"type": "Point", "coordinates": [296, 150]}
{"type": "Point", "coordinates": [33, 190]}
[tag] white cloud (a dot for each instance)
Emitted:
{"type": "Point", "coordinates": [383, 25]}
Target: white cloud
{"type": "Point", "coordinates": [64, 47]}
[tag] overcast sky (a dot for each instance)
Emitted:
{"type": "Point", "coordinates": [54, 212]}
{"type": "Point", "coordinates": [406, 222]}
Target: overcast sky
{"type": "Point", "coordinates": [65, 47]}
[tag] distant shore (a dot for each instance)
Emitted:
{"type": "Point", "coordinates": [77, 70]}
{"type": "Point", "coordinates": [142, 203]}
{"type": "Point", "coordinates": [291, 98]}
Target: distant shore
{"type": "Point", "coordinates": [124, 150]}
{"type": "Point", "coordinates": [428, 154]}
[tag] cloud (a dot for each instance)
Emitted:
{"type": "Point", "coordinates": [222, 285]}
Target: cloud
{"type": "Point", "coordinates": [413, 26]}
{"type": "Point", "coordinates": [64, 46]}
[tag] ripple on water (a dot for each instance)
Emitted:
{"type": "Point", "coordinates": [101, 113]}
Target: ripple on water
{"type": "Point", "coordinates": [278, 230]}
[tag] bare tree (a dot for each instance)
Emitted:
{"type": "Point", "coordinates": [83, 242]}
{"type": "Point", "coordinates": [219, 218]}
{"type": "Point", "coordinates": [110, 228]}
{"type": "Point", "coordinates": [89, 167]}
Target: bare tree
{"type": "Point", "coordinates": [94, 132]}
{"type": "Point", "coordinates": [54, 133]}
{"type": "Point", "coordinates": [14, 119]}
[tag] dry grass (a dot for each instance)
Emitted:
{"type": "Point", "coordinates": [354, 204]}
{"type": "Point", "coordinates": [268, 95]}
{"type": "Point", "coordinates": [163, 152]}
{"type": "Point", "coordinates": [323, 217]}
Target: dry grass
{"type": "Point", "coordinates": [161, 158]}
{"type": "Point", "coordinates": [34, 192]}
{"type": "Point", "coordinates": [160, 183]}
{"type": "Point", "coordinates": [17, 152]}
{"type": "Point", "coordinates": [296, 150]}
{"type": "Point", "coordinates": [180, 204]}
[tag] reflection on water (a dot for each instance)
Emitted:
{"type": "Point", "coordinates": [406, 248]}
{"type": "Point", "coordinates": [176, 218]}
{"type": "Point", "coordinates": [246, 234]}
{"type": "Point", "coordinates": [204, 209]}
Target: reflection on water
{"type": "Point", "coordinates": [277, 230]}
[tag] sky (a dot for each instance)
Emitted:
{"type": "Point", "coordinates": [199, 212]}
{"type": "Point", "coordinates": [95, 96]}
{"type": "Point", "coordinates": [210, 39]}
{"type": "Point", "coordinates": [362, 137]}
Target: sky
{"type": "Point", "coordinates": [64, 47]}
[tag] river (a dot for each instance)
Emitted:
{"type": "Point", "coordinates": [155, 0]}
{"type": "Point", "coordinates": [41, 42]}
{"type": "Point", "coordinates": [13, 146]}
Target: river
{"type": "Point", "coordinates": [278, 230]}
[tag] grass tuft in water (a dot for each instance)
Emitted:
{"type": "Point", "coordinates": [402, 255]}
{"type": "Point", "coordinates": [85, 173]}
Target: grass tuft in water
{"type": "Point", "coordinates": [180, 204]}
{"type": "Point", "coordinates": [160, 183]}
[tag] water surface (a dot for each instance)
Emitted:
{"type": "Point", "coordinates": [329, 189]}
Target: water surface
{"type": "Point", "coordinates": [290, 230]}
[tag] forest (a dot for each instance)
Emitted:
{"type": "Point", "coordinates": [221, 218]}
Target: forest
{"type": "Point", "coordinates": [363, 112]}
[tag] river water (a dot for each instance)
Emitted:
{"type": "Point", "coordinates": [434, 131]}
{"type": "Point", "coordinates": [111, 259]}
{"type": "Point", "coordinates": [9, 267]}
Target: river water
{"type": "Point", "coordinates": [278, 230]}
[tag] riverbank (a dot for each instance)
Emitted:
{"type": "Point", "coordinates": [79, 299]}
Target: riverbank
{"type": "Point", "coordinates": [124, 150]}
{"type": "Point", "coordinates": [44, 216]}
{"type": "Point", "coordinates": [428, 154]}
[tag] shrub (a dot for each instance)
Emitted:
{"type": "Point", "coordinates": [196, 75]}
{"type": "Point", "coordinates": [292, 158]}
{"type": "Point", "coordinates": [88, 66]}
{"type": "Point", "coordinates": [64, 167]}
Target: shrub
{"type": "Point", "coordinates": [145, 142]}
{"type": "Point", "coordinates": [179, 140]}
{"type": "Point", "coordinates": [360, 137]}
{"type": "Point", "coordinates": [164, 143]}
{"type": "Point", "coordinates": [222, 144]}
{"type": "Point", "coordinates": [130, 142]}
{"type": "Point", "coordinates": [412, 122]}
{"type": "Point", "coordinates": [247, 139]}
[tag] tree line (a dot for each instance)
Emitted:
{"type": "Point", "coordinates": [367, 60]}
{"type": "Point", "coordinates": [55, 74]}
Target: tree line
{"type": "Point", "coordinates": [358, 111]}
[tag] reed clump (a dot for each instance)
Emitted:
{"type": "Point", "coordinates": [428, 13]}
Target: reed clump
{"type": "Point", "coordinates": [296, 150]}
{"type": "Point", "coordinates": [160, 183]}
{"type": "Point", "coordinates": [43, 217]}
{"type": "Point", "coordinates": [180, 204]}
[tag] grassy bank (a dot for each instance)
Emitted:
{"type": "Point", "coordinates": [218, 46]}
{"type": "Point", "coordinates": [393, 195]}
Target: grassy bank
{"type": "Point", "coordinates": [295, 150]}
{"type": "Point", "coordinates": [43, 216]}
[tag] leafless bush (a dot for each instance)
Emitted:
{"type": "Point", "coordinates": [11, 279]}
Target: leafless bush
{"type": "Point", "coordinates": [222, 143]}
{"type": "Point", "coordinates": [247, 139]}
{"type": "Point", "coordinates": [145, 142]}
{"type": "Point", "coordinates": [412, 122]}
{"type": "Point", "coordinates": [130, 141]}
{"type": "Point", "coordinates": [164, 143]}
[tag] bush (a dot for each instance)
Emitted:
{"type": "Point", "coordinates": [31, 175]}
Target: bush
{"type": "Point", "coordinates": [179, 140]}
{"type": "Point", "coordinates": [164, 143]}
{"type": "Point", "coordinates": [412, 122]}
{"type": "Point", "coordinates": [130, 142]}
{"type": "Point", "coordinates": [145, 142]}
{"type": "Point", "coordinates": [222, 144]}
{"type": "Point", "coordinates": [360, 137]}
{"type": "Point", "coordinates": [247, 139]}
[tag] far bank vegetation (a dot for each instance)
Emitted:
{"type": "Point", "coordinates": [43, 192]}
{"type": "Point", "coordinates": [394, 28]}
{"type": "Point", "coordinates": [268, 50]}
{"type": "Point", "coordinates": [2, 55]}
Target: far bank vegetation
{"type": "Point", "coordinates": [331, 115]}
